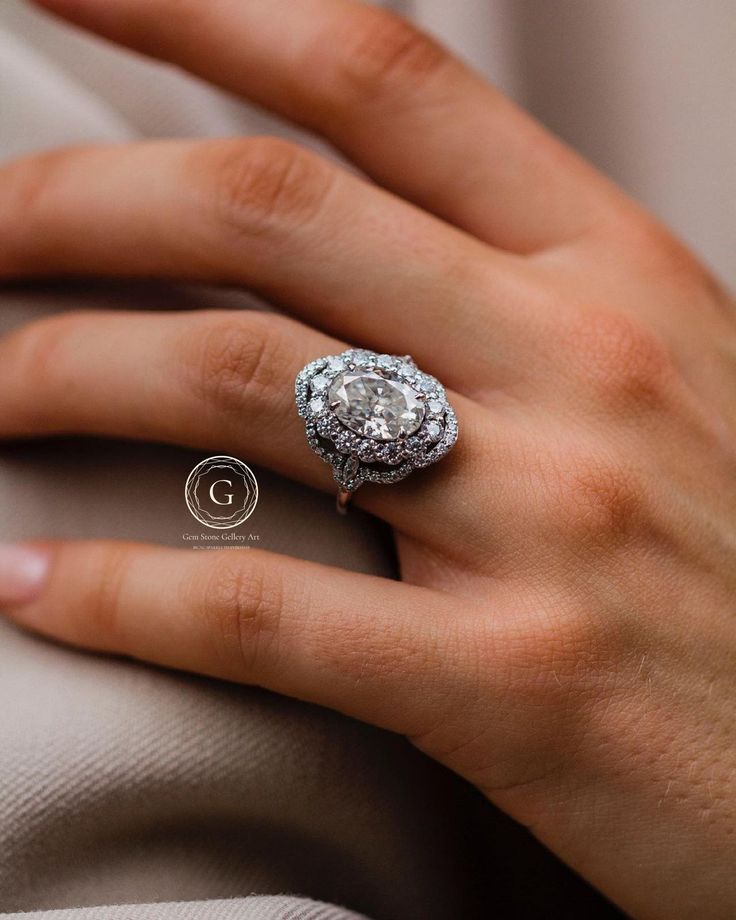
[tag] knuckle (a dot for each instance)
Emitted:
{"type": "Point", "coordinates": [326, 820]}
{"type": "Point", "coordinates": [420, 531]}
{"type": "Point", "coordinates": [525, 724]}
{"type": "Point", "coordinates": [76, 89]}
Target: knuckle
{"type": "Point", "coordinates": [263, 185]}
{"type": "Point", "coordinates": [101, 609]}
{"type": "Point", "coordinates": [548, 647]}
{"type": "Point", "coordinates": [242, 606]}
{"type": "Point", "coordinates": [232, 362]}
{"type": "Point", "coordinates": [382, 52]}
{"type": "Point", "coordinates": [598, 500]}
{"type": "Point", "coordinates": [561, 662]}
{"type": "Point", "coordinates": [622, 361]}
{"type": "Point", "coordinates": [551, 663]}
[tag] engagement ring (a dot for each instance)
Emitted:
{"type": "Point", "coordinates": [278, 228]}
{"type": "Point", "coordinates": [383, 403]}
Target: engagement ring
{"type": "Point", "coordinates": [373, 417]}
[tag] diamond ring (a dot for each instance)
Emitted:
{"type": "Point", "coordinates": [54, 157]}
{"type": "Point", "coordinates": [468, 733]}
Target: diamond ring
{"type": "Point", "coordinates": [373, 417]}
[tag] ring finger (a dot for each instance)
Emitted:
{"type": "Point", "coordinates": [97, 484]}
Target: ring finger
{"type": "Point", "coordinates": [221, 380]}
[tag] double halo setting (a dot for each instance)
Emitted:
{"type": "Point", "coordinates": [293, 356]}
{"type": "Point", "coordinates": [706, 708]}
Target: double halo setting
{"type": "Point", "coordinates": [373, 417]}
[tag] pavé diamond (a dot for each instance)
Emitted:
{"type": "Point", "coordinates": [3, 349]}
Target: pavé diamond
{"type": "Point", "coordinates": [433, 431]}
{"type": "Point", "coordinates": [371, 420]}
{"type": "Point", "coordinates": [375, 407]}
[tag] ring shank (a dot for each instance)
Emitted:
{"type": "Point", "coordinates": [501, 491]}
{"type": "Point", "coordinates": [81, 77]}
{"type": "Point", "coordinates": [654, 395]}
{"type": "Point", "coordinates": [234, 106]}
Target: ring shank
{"type": "Point", "coordinates": [344, 497]}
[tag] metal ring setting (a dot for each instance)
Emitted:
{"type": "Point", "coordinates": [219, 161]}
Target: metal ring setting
{"type": "Point", "coordinates": [373, 417]}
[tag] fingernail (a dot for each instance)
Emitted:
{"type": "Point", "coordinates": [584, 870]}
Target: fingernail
{"type": "Point", "coordinates": [23, 571]}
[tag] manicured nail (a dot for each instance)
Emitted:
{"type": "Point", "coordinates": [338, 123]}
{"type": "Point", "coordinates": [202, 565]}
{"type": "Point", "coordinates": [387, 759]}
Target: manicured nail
{"type": "Point", "coordinates": [23, 571]}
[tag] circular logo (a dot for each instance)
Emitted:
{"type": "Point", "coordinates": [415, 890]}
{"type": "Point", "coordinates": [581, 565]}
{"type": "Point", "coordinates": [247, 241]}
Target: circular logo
{"type": "Point", "coordinates": [221, 492]}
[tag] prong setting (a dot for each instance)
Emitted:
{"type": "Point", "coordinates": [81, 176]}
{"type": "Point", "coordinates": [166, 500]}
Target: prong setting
{"type": "Point", "coordinates": [389, 419]}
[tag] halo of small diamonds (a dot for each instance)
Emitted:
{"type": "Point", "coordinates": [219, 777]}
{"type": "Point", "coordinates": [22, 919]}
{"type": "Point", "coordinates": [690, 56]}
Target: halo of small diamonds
{"type": "Point", "coordinates": [412, 425]}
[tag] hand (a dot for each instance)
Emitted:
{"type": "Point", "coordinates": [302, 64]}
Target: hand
{"type": "Point", "coordinates": [566, 640]}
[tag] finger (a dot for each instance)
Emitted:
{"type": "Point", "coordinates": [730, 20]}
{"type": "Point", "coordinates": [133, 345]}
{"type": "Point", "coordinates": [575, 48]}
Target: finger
{"type": "Point", "coordinates": [217, 380]}
{"type": "Point", "coordinates": [355, 643]}
{"type": "Point", "coordinates": [200, 379]}
{"type": "Point", "coordinates": [352, 258]}
{"type": "Point", "coordinates": [398, 105]}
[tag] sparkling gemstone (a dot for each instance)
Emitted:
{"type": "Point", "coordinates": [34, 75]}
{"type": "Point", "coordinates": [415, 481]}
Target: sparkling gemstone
{"type": "Point", "coordinates": [319, 383]}
{"type": "Point", "coordinates": [335, 364]}
{"type": "Point", "coordinates": [433, 431]}
{"type": "Point", "coordinates": [393, 453]}
{"type": "Point", "coordinates": [435, 406]}
{"type": "Point", "coordinates": [323, 426]}
{"type": "Point", "coordinates": [375, 407]}
{"type": "Point", "coordinates": [351, 467]}
{"type": "Point", "coordinates": [317, 404]}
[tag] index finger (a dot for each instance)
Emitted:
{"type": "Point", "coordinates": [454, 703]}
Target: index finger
{"type": "Point", "coordinates": [394, 101]}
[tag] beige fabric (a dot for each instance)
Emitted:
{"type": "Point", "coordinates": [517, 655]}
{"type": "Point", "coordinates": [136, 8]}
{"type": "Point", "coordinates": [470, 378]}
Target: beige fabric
{"type": "Point", "coordinates": [123, 784]}
{"type": "Point", "coordinates": [254, 908]}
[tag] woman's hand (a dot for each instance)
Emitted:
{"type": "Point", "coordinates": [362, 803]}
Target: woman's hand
{"type": "Point", "coordinates": [565, 633]}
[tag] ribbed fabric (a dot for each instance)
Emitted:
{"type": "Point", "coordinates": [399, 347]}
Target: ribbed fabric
{"type": "Point", "coordinates": [255, 908]}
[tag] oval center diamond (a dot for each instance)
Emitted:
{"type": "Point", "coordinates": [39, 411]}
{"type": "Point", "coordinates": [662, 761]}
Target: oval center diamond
{"type": "Point", "coordinates": [375, 407]}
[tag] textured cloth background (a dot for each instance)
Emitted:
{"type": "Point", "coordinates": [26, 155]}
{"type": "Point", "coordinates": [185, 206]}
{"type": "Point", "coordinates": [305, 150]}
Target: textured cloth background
{"type": "Point", "coordinates": [256, 908]}
{"type": "Point", "coordinates": [124, 784]}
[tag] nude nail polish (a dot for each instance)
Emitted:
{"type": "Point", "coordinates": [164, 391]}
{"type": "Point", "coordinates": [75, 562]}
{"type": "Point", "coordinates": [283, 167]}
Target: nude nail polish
{"type": "Point", "coordinates": [23, 571]}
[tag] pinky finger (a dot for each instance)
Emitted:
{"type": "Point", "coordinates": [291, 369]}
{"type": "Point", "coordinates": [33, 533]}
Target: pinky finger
{"type": "Point", "coordinates": [375, 649]}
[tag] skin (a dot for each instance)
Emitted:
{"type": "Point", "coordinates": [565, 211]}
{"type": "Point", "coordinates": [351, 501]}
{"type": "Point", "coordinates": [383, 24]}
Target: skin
{"type": "Point", "coordinates": [567, 642]}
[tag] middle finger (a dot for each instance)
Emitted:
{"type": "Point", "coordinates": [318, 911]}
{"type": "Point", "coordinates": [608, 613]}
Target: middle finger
{"type": "Point", "coordinates": [350, 257]}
